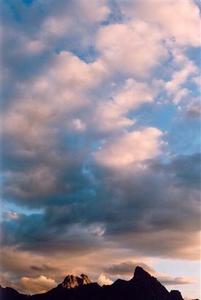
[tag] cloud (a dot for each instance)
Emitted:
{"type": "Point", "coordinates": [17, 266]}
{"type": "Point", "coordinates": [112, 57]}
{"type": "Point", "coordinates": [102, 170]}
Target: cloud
{"type": "Point", "coordinates": [179, 20]}
{"type": "Point", "coordinates": [104, 280]}
{"type": "Point", "coordinates": [96, 11]}
{"type": "Point", "coordinates": [133, 94]}
{"type": "Point", "coordinates": [175, 87]}
{"type": "Point", "coordinates": [59, 27]}
{"type": "Point", "coordinates": [41, 114]}
{"type": "Point", "coordinates": [111, 115]}
{"type": "Point", "coordinates": [62, 23]}
{"type": "Point", "coordinates": [193, 108]}
{"type": "Point", "coordinates": [11, 215]}
{"type": "Point", "coordinates": [178, 247]}
{"type": "Point", "coordinates": [123, 49]}
{"type": "Point", "coordinates": [91, 221]}
{"type": "Point", "coordinates": [32, 47]}
{"type": "Point", "coordinates": [130, 148]}
{"type": "Point", "coordinates": [114, 265]}
{"type": "Point", "coordinates": [197, 81]}
{"type": "Point", "coordinates": [78, 125]}
{"type": "Point", "coordinates": [16, 264]}
{"type": "Point", "coordinates": [77, 146]}
{"type": "Point", "coordinates": [37, 285]}
{"type": "Point", "coordinates": [59, 89]}
{"type": "Point", "coordinates": [167, 280]}
{"type": "Point", "coordinates": [43, 268]}
{"type": "Point", "coordinates": [127, 268]}
{"type": "Point", "coordinates": [183, 169]}
{"type": "Point", "coordinates": [39, 181]}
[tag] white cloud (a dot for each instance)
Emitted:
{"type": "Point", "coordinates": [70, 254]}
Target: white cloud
{"type": "Point", "coordinates": [44, 102]}
{"type": "Point", "coordinates": [123, 47]}
{"type": "Point", "coordinates": [56, 26]}
{"type": "Point", "coordinates": [133, 95]}
{"type": "Point", "coordinates": [37, 285]}
{"type": "Point", "coordinates": [185, 69]}
{"type": "Point", "coordinates": [104, 280]}
{"type": "Point", "coordinates": [93, 11]}
{"type": "Point", "coordinates": [180, 76]}
{"type": "Point", "coordinates": [68, 77]}
{"type": "Point", "coordinates": [111, 115]}
{"type": "Point", "coordinates": [78, 125]}
{"type": "Point", "coordinates": [130, 148]}
{"type": "Point", "coordinates": [75, 19]}
{"type": "Point", "coordinates": [34, 46]}
{"type": "Point", "coordinates": [179, 20]}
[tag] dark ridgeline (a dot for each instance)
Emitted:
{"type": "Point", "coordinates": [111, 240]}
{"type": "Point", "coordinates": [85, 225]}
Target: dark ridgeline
{"type": "Point", "coordinates": [142, 286]}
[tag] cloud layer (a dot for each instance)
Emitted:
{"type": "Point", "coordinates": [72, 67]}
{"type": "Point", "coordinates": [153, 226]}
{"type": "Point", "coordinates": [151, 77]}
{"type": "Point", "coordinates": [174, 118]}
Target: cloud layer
{"type": "Point", "coordinates": [100, 130]}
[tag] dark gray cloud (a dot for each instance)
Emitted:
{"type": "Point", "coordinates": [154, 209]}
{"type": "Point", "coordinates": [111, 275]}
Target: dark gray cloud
{"type": "Point", "coordinates": [184, 170]}
{"type": "Point", "coordinates": [160, 202]}
{"type": "Point", "coordinates": [35, 234]}
{"type": "Point", "coordinates": [127, 268]}
{"type": "Point", "coordinates": [43, 268]}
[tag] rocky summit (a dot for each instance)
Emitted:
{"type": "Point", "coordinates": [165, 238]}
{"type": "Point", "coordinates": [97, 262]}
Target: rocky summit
{"type": "Point", "coordinates": [142, 286]}
{"type": "Point", "coordinates": [72, 281]}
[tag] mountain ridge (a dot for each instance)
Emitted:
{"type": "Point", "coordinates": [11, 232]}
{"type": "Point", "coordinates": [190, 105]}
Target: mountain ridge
{"type": "Point", "coordinates": [142, 286]}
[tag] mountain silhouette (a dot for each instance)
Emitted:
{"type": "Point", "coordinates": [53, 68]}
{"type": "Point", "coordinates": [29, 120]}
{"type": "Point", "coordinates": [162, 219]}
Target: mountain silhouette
{"type": "Point", "coordinates": [142, 286]}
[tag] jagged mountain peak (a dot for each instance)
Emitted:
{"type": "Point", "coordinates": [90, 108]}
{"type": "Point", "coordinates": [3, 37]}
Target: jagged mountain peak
{"type": "Point", "coordinates": [140, 273]}
{"type": "Point", "coordinates": [85, 278]}
{"type": "Point", "coordinates": [72, 281]}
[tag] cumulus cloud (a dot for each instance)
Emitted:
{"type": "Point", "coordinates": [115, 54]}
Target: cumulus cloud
{"type": "Point", "coordinates": [32, 127]}
{"type": "Point", "coordinates": [179, 20]}
{"type": "Point", "coordinates": [37, 285]}
{"type": "Point", "coordinates": [58, 89]}
{"type": "Point", "coordinates": [104, 280]}
{"type": "Point", "coordinates": [130, 148]}
{"type": "Point", "coordinates": [175, 87]}
{"type": "Point", "coordinates": [63, 23]}
{"type": "Point", "coordinates": [113, 113]}
{"type": "Point", "coordinates": [133, 94]}
{"type": "Point", "coordinates": [122, 47]}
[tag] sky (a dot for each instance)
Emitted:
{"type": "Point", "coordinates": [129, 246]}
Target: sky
{"type": "Point", "coordinates": [100, 141]}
